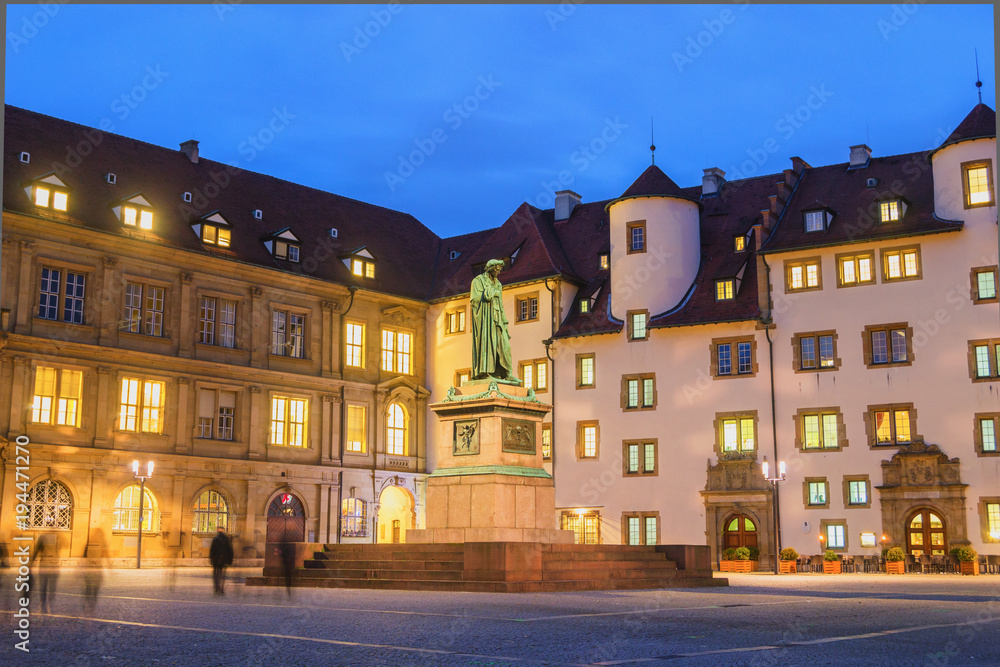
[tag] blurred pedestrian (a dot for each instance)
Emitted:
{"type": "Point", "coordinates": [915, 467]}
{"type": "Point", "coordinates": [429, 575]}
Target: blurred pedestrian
{"type": "Point", "coordinates": [46, 572]}
{"type": "Point", "coordinates": [221, 556]}
{"type": "Point", "coordinates": [94, 576]}
{"type": "Point", "coordinates": [287, 563]}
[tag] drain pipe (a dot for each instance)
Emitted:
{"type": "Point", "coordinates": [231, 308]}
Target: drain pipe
{"type": "Point", "coordinates": [774, 420]}
{"type": "Point", "coordinates": [343, 415]}
{"type": "Point", "coordinates": [552, 379]}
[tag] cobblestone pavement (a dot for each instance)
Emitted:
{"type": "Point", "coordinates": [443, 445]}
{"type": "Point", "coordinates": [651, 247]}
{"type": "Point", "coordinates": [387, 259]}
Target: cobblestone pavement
{"type": "Point", "coordinates": [166, 617]}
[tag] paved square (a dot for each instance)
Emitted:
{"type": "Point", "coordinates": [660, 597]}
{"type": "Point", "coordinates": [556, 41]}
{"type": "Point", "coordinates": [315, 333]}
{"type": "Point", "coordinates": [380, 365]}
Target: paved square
{"type": "Point", "coordinates": [164, 617]}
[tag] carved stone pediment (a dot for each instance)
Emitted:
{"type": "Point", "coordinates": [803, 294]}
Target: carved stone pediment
{"type": "Point", "coordinates": [920, 464]}
{"type": "Point", "coordinates": [737, 473]}
{"type": "Point", "coordinates": [399, 316]}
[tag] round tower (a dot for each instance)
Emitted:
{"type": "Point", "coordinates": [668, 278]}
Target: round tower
{"type": "Point", "coordinates": [964, 168]}
{"type": "Point", "coordinates": [655, 245]}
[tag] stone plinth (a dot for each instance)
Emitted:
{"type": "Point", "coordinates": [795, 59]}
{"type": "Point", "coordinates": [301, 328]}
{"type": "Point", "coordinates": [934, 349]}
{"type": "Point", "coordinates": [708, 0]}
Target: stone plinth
{"type": "Point", "coordinates": [490, 485]}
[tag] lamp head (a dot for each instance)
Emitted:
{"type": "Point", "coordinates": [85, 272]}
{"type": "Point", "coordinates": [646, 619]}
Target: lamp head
{"type": "Point", "coordinates": [135, 467]}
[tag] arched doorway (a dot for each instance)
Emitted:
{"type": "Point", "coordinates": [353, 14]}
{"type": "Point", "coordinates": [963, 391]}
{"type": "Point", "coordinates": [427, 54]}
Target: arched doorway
{"type": "Point", "coordinates": [395, 515]}
{"type": "Point", "coordinates": [925, 534]}
{"type": "Point", "coordinates": [739, 530]}
{"type": "Point", "coordinates": [286, 519]}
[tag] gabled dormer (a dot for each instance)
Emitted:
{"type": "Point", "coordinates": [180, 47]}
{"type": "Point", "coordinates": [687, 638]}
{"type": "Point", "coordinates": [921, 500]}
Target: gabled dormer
{"type": "Point", "coordinates": [135, 212]}
{"type": "Point", "coordinates": [213, 229]}
{"type": "Point", "coordinates": [726, 289]}
{"type": "Point", "coordinates": [49, 192]}
{"type": "Point", "coordinates": [891, 208]}
{"type": "Point", "coordinates": [585, 304]}
{"type": "Point", "coordinates": [360, 262]}
{"type": "Point", "coordinates": [816, 218]}
{"type": "Point", "coordinates": [283, 244]}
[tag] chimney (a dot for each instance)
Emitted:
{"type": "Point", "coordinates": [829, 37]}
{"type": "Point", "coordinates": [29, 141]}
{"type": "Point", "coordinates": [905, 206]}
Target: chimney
{"type": "Point", "coordinates": [859, 156]}
{"type": "Point", "coordinates": [799, 165]}
{"type": "Point", "coordinates": [190, 148]}
{"type": "Point", "coordinates": [566, 201]}
{"type": "Point", "coordinates": [712, 181]}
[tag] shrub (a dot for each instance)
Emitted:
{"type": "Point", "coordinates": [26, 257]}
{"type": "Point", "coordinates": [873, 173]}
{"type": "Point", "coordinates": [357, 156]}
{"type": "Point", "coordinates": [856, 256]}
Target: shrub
{"type": "Point", "coordinates": [830, 555]}
{"type": "Point", "coordinates": [729, 554]}
{"type": "Point", "coordinates": [966, 553]}
{"type": "Point", "coordinates": [894, 554]}
{"type": "Point", "coordinates": [754, 553]}
{"type": "Point", "coordinates": [742, 553]}
{"type": "Point", "coordinates": [789, 553]}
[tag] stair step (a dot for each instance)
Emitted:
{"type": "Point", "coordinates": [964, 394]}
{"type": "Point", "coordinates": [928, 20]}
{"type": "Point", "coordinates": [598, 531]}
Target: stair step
{"type": "Point", "coordinates": [596, 565]}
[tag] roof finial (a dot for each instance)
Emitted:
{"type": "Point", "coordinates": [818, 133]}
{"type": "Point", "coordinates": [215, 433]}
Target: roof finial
{"type": "Point", "coordinates": [652, 143]}
{"type": "Point", "coordinates": [979, 84]}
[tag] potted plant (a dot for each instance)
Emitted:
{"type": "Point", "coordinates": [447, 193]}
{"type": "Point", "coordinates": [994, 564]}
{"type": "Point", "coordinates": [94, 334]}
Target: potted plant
{"type": "Point", "coordinates": [788, 557]}
{"type": "Point", "coordinates": [728, 558]}
{"type": "Point", "coordinates": [894, 561]}
{"type": "Point", "coordinates": [741, 560]}
{"type": "Point", "coordinates": [754, 558]}
{"type": "Point", "coordinates": [968, 560]}
{"type": "Point", "coordinates": [831, 562]}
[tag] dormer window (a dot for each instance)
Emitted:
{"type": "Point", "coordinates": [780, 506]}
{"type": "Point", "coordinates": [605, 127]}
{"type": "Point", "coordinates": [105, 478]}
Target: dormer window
{"type": "Point", "coordinates": [135, 211]}
{"type": "Point", "coordinates": [584, 306]}
{"type": "Point", "coordinates": [740, 243]}
{"type": "Point", "coordinates": [25, 157]}
{"type": "Point", "coordinates": [891, 210]}
{"type": "Point", "coordinates": [605, 260]}
{"type": "Point", "coordinates": [49, 192]}
{"type": "Point", "coordinates": [725, 290]}
{"type": "Point", "coordinates": [818, 220]}
{"type": "Point", "coordinates": [283, 244]}
{"type": "Point", "coordinates": [360, 262]}
{"type": "Point", "coordinates": [213, 229]}
{"type": "Point", "coordinates": [453, 255]}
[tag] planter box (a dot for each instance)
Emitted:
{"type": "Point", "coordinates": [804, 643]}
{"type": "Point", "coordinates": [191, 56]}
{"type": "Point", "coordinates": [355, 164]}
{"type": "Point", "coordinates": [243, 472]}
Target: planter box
{"type": "Point", "coordinates": [895, 567]}
{"type": "Point", "coordinates": [969, 566]}
{"type": "Point", "coordinates": [737, 566]}
{"type": "Point", "coordinates": [786, 566]}
{"type": "Point", "coordinates": [831, 567]}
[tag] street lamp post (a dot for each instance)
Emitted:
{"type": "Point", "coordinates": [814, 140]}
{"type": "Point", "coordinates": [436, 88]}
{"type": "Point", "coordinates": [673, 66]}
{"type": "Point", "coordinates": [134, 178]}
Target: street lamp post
{"type": "Point", "coordinates": [142, 496]}
{"type": "Point", "coordinates": [774, 505]}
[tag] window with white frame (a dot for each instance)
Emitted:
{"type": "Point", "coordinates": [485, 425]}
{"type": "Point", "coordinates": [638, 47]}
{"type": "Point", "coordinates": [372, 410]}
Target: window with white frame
{"type": "Point", "coordinates": [354, 346]}
{"type": "Point", "coordinates": [141, 405]}
{"type": "Point", "coordinates": [211, 512]}
{"type": "Point", "coordinates": [288, 334]}
{"type": "Point", "coordinates": [736, 432]}
{"type": "Point", "coordinates": [49, 505]}
{"type": "Point", "coordinates": [144, 307]}
{"type": "Point", "coordinates": [396, 351]}
{"type": "Point", "coordinates": [396, 436]}
{"type": "Point", "coordinates": [61, 295]}
{"type": "Point", "coordinates": [217, 322]}
{"type": "Point", "coordinates": [125, 511]}
{"type": "Point", "coordinates": [353, 518]}
{"type": "Point", "coordinates": [535, 374]}
{"type": "Point", "coordinates": [288, 421]}
{"type": "Point", "coordinates": [900, 264]}
{"type": "Point", "coordinates": [216, 414]}
{"type": "Point", "coordinates": [57, 398]}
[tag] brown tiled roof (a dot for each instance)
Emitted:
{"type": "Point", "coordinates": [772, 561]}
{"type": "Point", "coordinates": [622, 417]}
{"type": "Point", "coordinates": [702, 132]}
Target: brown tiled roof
{"type": "Point", "coordinates": [855, 206]}
{"type": "Point", "coordinates": [406, 247]}
{"type": "Point", "coordinates": [652, 182]}
{"type": "Point", "coordinates": [980, 123]}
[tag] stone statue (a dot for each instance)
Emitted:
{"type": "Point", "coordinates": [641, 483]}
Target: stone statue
{"type": "Point", "coordinates": [490, 335]}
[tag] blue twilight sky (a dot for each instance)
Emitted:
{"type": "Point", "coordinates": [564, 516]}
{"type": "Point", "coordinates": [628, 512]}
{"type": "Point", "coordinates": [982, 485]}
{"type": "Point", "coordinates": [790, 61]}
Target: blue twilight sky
{"type": "Point", "coordinates": [457, 114]}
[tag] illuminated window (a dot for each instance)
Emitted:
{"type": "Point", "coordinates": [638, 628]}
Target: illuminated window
{"type": "Point", "coordinates": [354, 349]}
{"type": "Point", "coordinates": [740, 243]}
{"type": "Point", "coordinates": [605, 261]}
{"type": "Point", "coordinates": [639, 457]}
{"type": "Point", "coordinates": [61, 299]}
{"type": "Point", "coordinates": [588, 440]}
{"type": "Point", "coordinates": [835, 536]}
{"type": "Point", "coordinates": [126, 511]}
{"type": "Point", "coordinates": [50, 506]}
{"type": "Point", "coordinates": [58, 393]}
{"type": "Point", "coordinates": [888, 345]}
{"type": "Point", "coordinates": [47, 196]}
{"type": "Point", "coordinates": [736, 432]}
{"type": "Point", "coordinates": [586, 525]}
{"type": "Point", "coordinates": [584, 305]}
{"type": "Point", "coordinates": [819, 429]}
{"type": "Point", "coordinates": [216, 414]}
{"type": "Point", "coordinates": [454, 321]}
{"type": "Point", "coordinates": [546, 442]}
{"type": "Point", "coordinates": [803, 275]}
{"type": "Point", "coordinates": [396, 351]}
{"type": "Point", "coordinates": [984, 360]}
{"type": "Point", "coordinates": [725, 290]}
{"type": "Point", "coordinates": [211, 512]}
{"type": "Point", "coordinates": [141, 405]}
{"type": "Point", "coordinates": [901, 264]}
{"type": "Point", "coordinates": [984, 284]}
{"type": "Point", "coordinates": [816, 492]}
{"type": "Point", "coordinates": [353, 518]}
{"type": "Point", "coordinates": [396, 423]}
{"type": "Point", "coordinates": [637, 324]}
{"type": "Point", "coordinates": [357, 427]}
{"type": "Point", "coordinates": [220, 236]}
{"type": "Point", "coordinates": [815, 221]}
{"type": "Point", "coordinates": [526, 308]}
{"type": "Point", "coordinates": [977, 183]}
{"type": "Point", "coordinates": [855, 270]}
{"type": "Point", "coordinates": [992, 519]}
{"type": "Point", "coordinates": [638, 392]}
{"type": "Point", "coordinates": [535, 375]}
{"type": "Point", "coordinates": [285, 250]}
{"type": "Point", "coordinates": [288, 421]}
{"type": "Point", "coordinates": [636, 232]}
{"type": "Point", "coordinates": [857, 492]}
{"type": "Point", "coordinates": [136, 216]}
{"type": "Point", "coordinates": [462, 376]}
{"type": "Point", "coordinates": [362, 268]}
{"type": "Point", "coordinates": [891, 425]}
{"type": "Point", "coordinates": [217, 322]}
{"type": "Point", "coordinates": [288, 334]}
{"type": "Point", "coordinates": [889, 211]}
{"type": "Point", "coordinates": [585, 371]}
{"type": "Point", "coordinates": [144, 315]}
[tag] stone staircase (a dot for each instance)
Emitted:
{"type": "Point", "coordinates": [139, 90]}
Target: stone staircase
{"type": "Point", "coordinates": [502, 567]}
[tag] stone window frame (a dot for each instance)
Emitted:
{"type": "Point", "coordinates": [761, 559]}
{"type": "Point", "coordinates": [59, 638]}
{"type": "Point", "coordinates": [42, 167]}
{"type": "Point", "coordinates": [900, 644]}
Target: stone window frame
{"type": "Point", "coordinates": [580, 426]}
{"type": "Point", "coordinates": [535, 363]}
{"type": "Point", "coordinates": [884, 263]}
{"type": "Point", "coordinates": [82, 417]}
{"type": "Point", "coordinates": [217, 388]}
{"type": "Point", "coordinates": [593, 370]}
{"type": "Point", "coordinates": [738, 415]}
{"type": "Point", "coordinates": [365, 449]}
{"type": "Point", "coordinates": [166, 413]}
{"type": "Point", "coordinates": [306, 424]}
{"type": "Point", "coordinates": [463, 312]}
{"type": "Point", "coordinates": [628, 324]}
{"type": "Point", "coordinates": [411, 355]}
{"type": "Point", "coordinates": [799, 417]}
{"type": "Point", "coordinates": [733, 342]}
{"type": "Point", "coordinates": [869, 418]}
{"type": "Point", "coordinates": [167, 324]}
{"type": "Point", "coordinates": [834, 522]}
{"type": "Point", "coordinates": [993, 352]}
{"type": "Point", "coordinates": [65, 267]}
{"type": "Point", "coordinates": [984, 527]}
{"type": "Point", "coordinates": [289, 310]}
{"type": "Point", "coordinates": [520, 298]}
{"type": "Point", "coordinates": [797, 351]}
{"type": "Point", "coordinates": [803, 262]}
{"type": "Point", "coordinates": [641, 472]}
{"type": "Point", "coordinates": [458, 375]}
{"type": "Point", "coordinates": [973, 164]}
{"type": "Point", "coordinates": [546, 428]}
{"type": "Point", "coordinates": [364, 343]}
{"type": "Point", "coordinates": [805, 493]}
{"type": "Point", "coordinates": [641, 378]}
{"type": "Point", "coordinates": [847, 491]}
{"type": "Point", "coordinates": [628, 237]}
{"type": "Point", "coordinates": [977, 434]}
{"type": "Point", "coordinates": [866, 344]}
{"type": "Point", "coordinates": [220, 298]}
{"type": "Point", "coordinates": [642, 516]}
{"type": "Point", "coordinates": [839, 259]}
{"type": "Point", "coordinates": [974, 280]}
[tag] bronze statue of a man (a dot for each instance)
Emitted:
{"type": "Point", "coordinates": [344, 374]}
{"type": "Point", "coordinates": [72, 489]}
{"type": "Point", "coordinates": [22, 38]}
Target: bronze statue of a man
{"type": "Point", "coordinates": [490, 335]}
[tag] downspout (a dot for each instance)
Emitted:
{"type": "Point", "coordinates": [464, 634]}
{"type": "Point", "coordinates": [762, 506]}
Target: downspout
{"type": "Point", "coordinates": [343, 415]}
{"type": "Point", "coordinates": [552, 379]}
{"type": "Point", "coordinates": [774, 420]}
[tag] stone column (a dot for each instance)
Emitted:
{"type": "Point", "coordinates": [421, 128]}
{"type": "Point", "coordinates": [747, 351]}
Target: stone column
{"type": "Point", "coordinates": [257, 447]}
{"type": "Point", "coordinates": [330, 429]}
{"type": "Point", "coordinates": [184, 391]}
{"type": "Point", "coordinates": [186, 332]}
{"type": "Point", "coordinates": [330, 336]}
{"type": "Point", "coordinates": [102, 409]}
{"type": "Point", "coordinates": [19, 389]}
{"type": "Point", "coordinates": [260, 328]}
{"type": "Point", "coordinates": [108, 318]}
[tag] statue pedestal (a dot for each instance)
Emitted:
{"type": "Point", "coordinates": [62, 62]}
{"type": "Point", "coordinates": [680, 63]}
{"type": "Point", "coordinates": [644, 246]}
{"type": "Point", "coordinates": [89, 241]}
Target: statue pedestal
{"type": "Point", "coordinates": [490, 485]}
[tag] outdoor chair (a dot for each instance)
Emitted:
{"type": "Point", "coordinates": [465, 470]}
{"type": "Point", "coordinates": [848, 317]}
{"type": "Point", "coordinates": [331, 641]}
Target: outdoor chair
{"type": "Point", "coordinates": [816, 563]}
{"type": "Point", "coordinates": [951, 564]}
{"type": "Point", "coordinates": [937, 564]}
{"type": "Point", "coordinates": [993, 564]}
{"type": "Point", "coordinates": [860, 564]}
{"type": "Point", "coordinates": [910, 563]}
{"type": "Point", "coordinates": [925, 564]}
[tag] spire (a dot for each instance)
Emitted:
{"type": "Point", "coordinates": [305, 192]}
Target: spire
{"type": "Point", "coordinates": [979, 83]}
{"type": "Point", "coordinates": [652, 143]}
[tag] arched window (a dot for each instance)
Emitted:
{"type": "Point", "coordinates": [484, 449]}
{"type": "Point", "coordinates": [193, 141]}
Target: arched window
{"type": "Point", "coordinates": [211, 512]}
{"type": "Point", "coordinates": [49, 506]}
{"type": "Point", "coordinates": [285, 504]}
{"type": "Point", "coordinates": [396, 430]}
{"type": "Point", "coordinates": [126, 510]}
{"type": "Point", "coordinates": [354, 518]}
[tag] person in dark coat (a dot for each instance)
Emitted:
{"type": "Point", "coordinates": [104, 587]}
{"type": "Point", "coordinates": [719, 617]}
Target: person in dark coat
{"type": "Point", "coordinates": [287, 550]}
{"type": "Point", "coordinates": [221, 556]}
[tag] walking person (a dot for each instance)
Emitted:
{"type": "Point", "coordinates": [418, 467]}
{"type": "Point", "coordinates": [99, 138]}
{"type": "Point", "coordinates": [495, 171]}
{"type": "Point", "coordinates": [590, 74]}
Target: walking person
{"type": "Point", "coordinates": [48, 573]}
{"type": "Point", "coordinates": [287, 549]}
{"type": "Point", "coordinates": [221, 556]}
